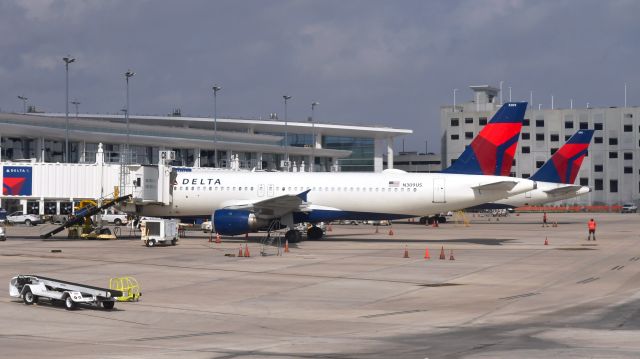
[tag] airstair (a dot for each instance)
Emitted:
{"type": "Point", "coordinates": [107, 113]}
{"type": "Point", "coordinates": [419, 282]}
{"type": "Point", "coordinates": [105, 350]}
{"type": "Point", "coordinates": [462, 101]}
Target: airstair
{"type": "Point", "coordinates": [85, 212]}
{"type": "Point", "coordinates": [271, 244]}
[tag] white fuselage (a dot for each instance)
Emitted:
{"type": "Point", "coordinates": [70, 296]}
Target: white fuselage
{"type": "Point", "coordinates": [389, 192]}
{"type": "Point", "coordinates": [541, 195]}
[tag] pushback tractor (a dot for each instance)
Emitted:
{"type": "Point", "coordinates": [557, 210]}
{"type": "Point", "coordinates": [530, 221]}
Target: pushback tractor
{"type": "Point", "coordinates": [32, 288]}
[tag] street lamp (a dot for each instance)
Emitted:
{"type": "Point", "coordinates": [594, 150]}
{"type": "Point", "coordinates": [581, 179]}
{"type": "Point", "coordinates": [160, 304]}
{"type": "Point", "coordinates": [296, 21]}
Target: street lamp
{"type": "Point", "coordinates": [215, 89]}
{"type": "Point", "coordinates": [67, 60]}
{"type": "Point", "coordinates": [509, 93]}
{"type": "Point", "coordinates": [313, 134]}
{"type": "Point", "coordinates": [286, 134]}
{"type": "Point", "coordinates": [127, 75]}
{"type": "Point", "coordinates": [501, 92]}
{"type": "Point", "coordinates": [24, 103]}
{"type": "Point", "coordinates": [454, 99]}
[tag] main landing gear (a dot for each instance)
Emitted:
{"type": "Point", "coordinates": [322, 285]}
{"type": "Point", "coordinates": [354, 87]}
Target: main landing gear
{"type": "Point", "coordinates": [293, 236]}
{"type": "Point", "coordinates": [314, 233]}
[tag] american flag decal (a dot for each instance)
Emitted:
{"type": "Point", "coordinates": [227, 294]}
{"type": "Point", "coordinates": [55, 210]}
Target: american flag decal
{"type": "Point", "coordinates": [394, 183]}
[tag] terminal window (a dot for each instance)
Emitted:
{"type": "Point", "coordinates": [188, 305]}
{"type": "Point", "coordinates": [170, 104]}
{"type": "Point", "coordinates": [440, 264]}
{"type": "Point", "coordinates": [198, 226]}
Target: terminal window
{"type": "Point", "coordinates": [613, 186]}
{"type": "Point", "coordinates": [613, 154]}
{"type": "Point", "coordinates": [455, 137]}
{"type": "Point", "coordinates": [526, 149]}
{"type": "Point", "coordinates": [584, 125]}
{"type": "Point", "coordinates": [539, 136]}
{"type": "Point", "coordinates": [525, 122]}
{"type": "Point", "coordinates": [554, 150]}
{"type": "Point", "coordinates": [628, 155]}
{"type": "Point", "coordinates": [613, 141]}
{"type": "Point", "coordinates": [584, 181]}
{"type": "Point", "coordinates": [566, 137]}
{"type": "Point", "coordinates": [598, 184]}
{"type": "Point", "coordinates": [568, 124]}
{"type": "Point", "coordinates": [539, 123]}
{"type": "Point", "coordinates": [455, 122]}
{"type": "Point", "coordinates": [628, 128]}
{"type": "Point", "coordinates": [597, 140]}
{"type": "Point", "coordinates": [482, 121]}
{"type": "Point", "coordinates": [526, 175]}
{"type": "Point", "coordinates": [526, 135]}
{"type": "Point", "coordinates": [468, 135]}
{"type": "Point", "coordinates": [555, 137]}
{"type": "Point", "coordinates": [597, 168]}
{"type": "Point", "coordinates": [628, 169]}
{"type": "Point", "coordinates": [597, 126]}
{"type": "Point", "coordinates": [468, 120]}
{"type": "Point", "coordinates": [539, 164]}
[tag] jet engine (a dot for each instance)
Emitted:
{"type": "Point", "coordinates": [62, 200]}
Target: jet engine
{"type": "Point", "coordinates": [232, 222]}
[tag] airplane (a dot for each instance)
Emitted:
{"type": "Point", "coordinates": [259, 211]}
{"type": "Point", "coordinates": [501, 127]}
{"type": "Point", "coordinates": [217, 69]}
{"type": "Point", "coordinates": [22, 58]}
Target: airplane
{"type": "Point", "coordinates": [241, 202]}
{"type": "Point", "coordinates": [556, 177]}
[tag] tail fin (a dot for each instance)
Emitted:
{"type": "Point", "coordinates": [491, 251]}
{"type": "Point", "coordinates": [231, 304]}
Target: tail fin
{"type": "Point", "coordinates": [564, 165]}
{"type": "Point", "coordinates": [493, 149]}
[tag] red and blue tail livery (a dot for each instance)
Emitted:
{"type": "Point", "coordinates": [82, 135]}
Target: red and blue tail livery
{"type": "Point", "coordinates": [564, 165]}
{"type": "Point", "coordinates": [493, 149]}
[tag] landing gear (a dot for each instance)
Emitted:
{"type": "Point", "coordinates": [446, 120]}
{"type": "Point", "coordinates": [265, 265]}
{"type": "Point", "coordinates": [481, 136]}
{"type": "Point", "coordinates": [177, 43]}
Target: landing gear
{"type": "Point", "coordinates": [293, 236]}
{"type": "Point", "coordinates": [314, 233]}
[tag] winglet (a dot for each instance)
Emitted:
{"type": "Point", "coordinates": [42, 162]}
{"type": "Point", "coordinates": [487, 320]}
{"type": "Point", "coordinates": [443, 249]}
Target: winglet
{"type": "Point", "coordinates": [564, 165]}
{"type": "Point", "coordinates": [303, 195]}
{"type": "Point", "coordinates": [493, 149]}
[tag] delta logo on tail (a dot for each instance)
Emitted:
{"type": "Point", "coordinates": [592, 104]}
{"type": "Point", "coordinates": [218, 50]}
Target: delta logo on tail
{"type": "Point", "coordinates": [564, 165]}
{"type": "Point", "coordinates": [493, 149]}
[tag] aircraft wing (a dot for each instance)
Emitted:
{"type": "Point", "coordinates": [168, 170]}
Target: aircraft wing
{"type": "Point", "coordinates": [496, 186]}
{"type": "Point", "coordinates": [559, 191]}
{"type": "Point", "coordinates": [274, 206]}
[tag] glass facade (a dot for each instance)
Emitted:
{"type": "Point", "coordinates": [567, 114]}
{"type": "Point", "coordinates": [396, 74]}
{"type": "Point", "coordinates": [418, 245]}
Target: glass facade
{"type": "Point", "coordinates": [362, 152]}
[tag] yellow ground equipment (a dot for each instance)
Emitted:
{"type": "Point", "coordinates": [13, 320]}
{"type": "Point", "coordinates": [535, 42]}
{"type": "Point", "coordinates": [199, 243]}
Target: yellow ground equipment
{"type": "Point", "coordinates": [128, 286]}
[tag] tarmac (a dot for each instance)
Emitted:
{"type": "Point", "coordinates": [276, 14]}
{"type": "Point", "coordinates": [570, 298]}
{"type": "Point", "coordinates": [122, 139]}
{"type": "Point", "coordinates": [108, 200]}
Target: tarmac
{"type": "Point", "coordinates": [351, 295]}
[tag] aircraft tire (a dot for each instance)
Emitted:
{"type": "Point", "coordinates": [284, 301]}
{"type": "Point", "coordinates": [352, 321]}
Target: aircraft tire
{"type": "Point", "coordinates": [293, 236]}
{"type": "Point", "coordinates": [314, 233]}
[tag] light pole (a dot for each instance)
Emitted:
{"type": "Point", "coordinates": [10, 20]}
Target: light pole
{"type": "Point", "coordinates": [67, 60]}
{"type": "Point", "coordinates": [313, 134]}
{"type": "Point", "coordinates": [215, 89]}
{"type": "Point", "coordinates": [24, 103]}
{"type": "Point", "coordinates": [286, 134]}
{"type": "Point", "coordinates": [127, 75]}
{"type": "Point", "coordinates": [509, 93]}
{"type": "Point", "coordinates": [501, 92]}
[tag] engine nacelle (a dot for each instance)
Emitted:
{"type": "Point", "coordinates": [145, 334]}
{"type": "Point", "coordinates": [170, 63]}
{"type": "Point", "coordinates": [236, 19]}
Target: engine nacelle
{"type": "Point", "coordinates": [232, 222]}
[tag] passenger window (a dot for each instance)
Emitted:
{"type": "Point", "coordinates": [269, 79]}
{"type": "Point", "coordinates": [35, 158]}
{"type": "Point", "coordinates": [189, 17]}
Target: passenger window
{"type": "Point", "coordinates": [193, 188]}
{"type": "Point", "coordinates": [209, 188]}
{"type": "Point", "coordinates": [415, 189]}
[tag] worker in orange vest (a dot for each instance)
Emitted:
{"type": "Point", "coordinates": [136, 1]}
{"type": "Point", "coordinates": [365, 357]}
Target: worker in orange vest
{"type": "Point", "coordinates": [592, 229]}
{"type": "Point", "coordinates": [544, 220]}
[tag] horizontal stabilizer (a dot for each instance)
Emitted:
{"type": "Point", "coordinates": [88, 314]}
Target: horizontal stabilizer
{"type": "Point", "coordinates": [560, 191]}
{"type": "Point", "coordinates": [496, 186]}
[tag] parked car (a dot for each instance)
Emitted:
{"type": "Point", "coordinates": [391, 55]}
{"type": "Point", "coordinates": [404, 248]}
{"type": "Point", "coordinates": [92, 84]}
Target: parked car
{"type": "Point", "coordinates": [115, 217]}
{"type": "Point", "coordinates": [629, 208]}
{"type": "Point", "coordinates": [20, 217]}
{"type": "Point", "coordinates": [381, 222]}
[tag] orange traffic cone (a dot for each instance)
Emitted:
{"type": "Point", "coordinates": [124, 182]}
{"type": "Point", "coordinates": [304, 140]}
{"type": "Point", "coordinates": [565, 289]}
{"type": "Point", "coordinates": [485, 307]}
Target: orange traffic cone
{"type": "Point", "coordinates": [406, 252]}
{"type": "Point", "coordinates": [286, 246]}
{"type": "Point", "coordinates": [240, 251]}
{"type": "Point", "coordinates": [435, 223]}
{"type": "Point", "coordinates": [246, 250]}
{"type": "Point", "coordinates": [218, 238]}
{"type": "Point", "coordinates": [546, 241]}
{"type": "Point", "coordinates": [442, 255]}
{"type": "Point", "coordinates": [391, 231]}
{"type": "Point", "coordinates": [451, 256]}
{"type": "Point", "coordinates": [426, 253]}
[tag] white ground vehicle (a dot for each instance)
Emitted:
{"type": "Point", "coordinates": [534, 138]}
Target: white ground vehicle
{"type": "Point", "coordinates": [32, 288]}
{"type": "Point", "coordinates": [112, 216]}
{"type": "Point", "coordinates": [3, 233]}
{"type": "Point", "coordinates": [159, 230]}
{"type": "Point", "coordinates": [629, 208]}
{"type": "Point", "coordinates": [20, 217]}
{"type": "Point", "coordinates": [206, 226]}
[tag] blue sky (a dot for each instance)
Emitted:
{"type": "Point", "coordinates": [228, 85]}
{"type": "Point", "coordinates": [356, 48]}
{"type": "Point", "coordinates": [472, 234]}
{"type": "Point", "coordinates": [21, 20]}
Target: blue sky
{"type": "Point", "coordinates": [366, 62]}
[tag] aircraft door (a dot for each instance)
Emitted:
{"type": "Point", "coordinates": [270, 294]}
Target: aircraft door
{"type": "Point", "coordinates": [439, 190]}
{"type": "Point", "coordinates": [270, 190]}
{"type": "Point", "coordinates": [260, 190]}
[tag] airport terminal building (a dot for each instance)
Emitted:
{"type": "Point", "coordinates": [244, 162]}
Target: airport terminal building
{"type": "Point", "coordinates": [611, 167]}
{"type": "Point", "coordinates": [32, 151]}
